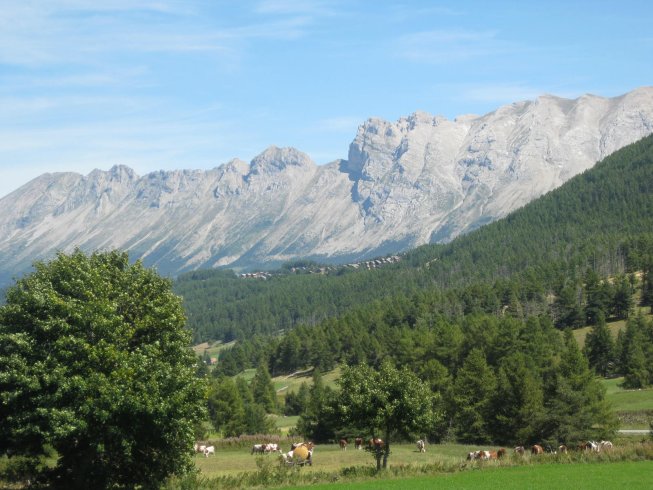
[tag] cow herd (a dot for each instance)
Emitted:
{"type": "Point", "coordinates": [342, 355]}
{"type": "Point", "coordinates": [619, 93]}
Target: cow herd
{"type": "Point", "coordinates": [535, 449]}
{"type": "Point", "coordinates": [302, 452]}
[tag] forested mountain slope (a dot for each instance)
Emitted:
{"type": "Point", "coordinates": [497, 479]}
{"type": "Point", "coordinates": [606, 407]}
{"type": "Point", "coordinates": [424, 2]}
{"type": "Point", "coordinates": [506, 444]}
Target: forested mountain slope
{"type": "Point", "coordinates": [601, 219]}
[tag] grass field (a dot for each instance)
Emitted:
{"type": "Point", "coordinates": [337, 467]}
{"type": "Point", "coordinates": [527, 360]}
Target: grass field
{"type": "Point", "coordinates": [330, 457]}
{"type": "Point", "coordinates": [633, 407]}
{"type": "Point", "coordinates": [632, 475]}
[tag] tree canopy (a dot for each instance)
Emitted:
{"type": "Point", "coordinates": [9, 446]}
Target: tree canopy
{"type": "Point", "coordinates": [95, 363]}
{"type": "Point", "coordinates": [389, 402]}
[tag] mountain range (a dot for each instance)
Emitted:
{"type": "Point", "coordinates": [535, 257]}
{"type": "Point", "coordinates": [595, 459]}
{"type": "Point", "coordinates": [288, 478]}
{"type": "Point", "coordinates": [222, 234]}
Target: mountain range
{"type": "Point", "coordinates": [421, 179]}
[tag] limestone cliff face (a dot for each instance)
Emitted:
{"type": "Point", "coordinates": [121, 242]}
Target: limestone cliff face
{"type": "Point", "coordinates": [420, 179]}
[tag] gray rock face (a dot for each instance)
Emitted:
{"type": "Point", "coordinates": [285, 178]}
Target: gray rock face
{"type": "Point", "coordinates": [420, 179]}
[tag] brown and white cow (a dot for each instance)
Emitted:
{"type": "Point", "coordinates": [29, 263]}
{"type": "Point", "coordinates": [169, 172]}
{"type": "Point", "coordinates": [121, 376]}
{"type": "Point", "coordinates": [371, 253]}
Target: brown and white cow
{"type": "Point", "coordinates": [343, 444]}
{"type": "Point", "coordinates": [537, 449]}
{"type": "Point", "coordinates": [375, 443]}
{"type": "Point", "coordinates": [359, 443]}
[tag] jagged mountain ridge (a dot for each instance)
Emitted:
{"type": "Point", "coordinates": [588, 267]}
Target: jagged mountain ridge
{"type": "Point", "coordinates": [420, 179]}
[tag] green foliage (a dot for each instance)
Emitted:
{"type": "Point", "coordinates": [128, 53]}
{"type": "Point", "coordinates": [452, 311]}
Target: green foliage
{"type": "Point", "coordinates": [263, 389]}
{"type": "Point", "coordinates": [226, 407]}
{"type": "Point", "coordinates": [388, 402]}
{"type": "Point", "coordinates": [317, 420]}
{"type": "Point", "coordinates": [473, 389]}
{"type": "Point", "coordinates": [636, 353]}
{"type": "Point", "coordinates": [575, 400]}
{"type": "Point", "coordinates": [95, 363]}
{"type": "Point", "coordinates": [599, 347]}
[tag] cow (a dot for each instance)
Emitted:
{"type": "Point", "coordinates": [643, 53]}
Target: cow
{"type": "Point", "coordinates": [484, 455]}
{"type": "Point", "coordinates": [562, 449]}
{"type": "Point", "coordinates": [359, 443]}
{"type": "Point", "coordinates": [537, 449]}
{"type": "Point", "coordinates": [258, 448]}
{"type": "Point", "coordinates": [590, 447]}
{"type": "Point", "coordinates": [501, 453]}
{"type": "Point", "coordinates": [271, 448]}
{"type": "Point", "coordinates": [209, 450]}
{"type": "Point", "coordinates": [375, 443]}
{"type": "Point", "coordinates": [471, 456]}
{"type": "Point", "coordinates": [343, 444]}
{"type": "Point", "coordinates": [301, 454]}
{"type": "Point", "coordinates": [605, 445]}
{"type": "Point", "coordinates": [421, 446]}
{"type": "Point", "coordinates": [519, 450]}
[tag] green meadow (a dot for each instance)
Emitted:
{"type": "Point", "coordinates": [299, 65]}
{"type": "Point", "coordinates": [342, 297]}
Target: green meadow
{"type": "Point", "coordinates": [633, 475]}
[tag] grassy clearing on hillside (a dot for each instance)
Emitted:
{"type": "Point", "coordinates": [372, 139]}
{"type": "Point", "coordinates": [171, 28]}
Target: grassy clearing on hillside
{"type": "Point", "coordinates": [628, 400]}
{"type": "Point", "coordinates": [291, 383]}
{"type": "Point", "coordinates": [614, 327]}
{"type": "Point", "coordinates": [633, 475]}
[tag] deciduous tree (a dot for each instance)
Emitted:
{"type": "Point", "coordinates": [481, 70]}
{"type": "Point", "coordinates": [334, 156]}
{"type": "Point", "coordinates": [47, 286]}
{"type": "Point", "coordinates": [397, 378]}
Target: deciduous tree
{"type": "Point", "coordinates": [95, 363]}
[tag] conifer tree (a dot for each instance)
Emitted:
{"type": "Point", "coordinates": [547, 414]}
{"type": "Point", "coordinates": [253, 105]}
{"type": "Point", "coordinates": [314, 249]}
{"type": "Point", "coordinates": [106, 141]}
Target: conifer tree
{"type": "Point", "coordinates": [576, 405]}
{"type": "Point", "coordinates": [472, 396]}
{"type": "Point", "coordinates": [599, 347]}
{"type": "Point", "coordinates": [263, 389]}
{"type": "Point", "coordinates": [226, 407]}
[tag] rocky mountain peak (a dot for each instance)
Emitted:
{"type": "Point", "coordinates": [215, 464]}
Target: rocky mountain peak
{"type": "Point", "coordinates": [275, 159]}
{"type": "Point", "coordinates": [419, 179]}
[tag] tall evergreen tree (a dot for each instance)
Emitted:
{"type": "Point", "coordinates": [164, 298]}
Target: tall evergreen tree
{"type": "Point", "coordinates": [575, 402]}
{"type": "Point", "coordinates": [634, 346]}
{"type": "Point", "coordinates": [517, 413]}
{"type": "Point", "coordinates": [622, 298]}
{"type": "Point", "coordinates": [263, 389]}
{"type": "Point", "coordinates": [599, 347]}
{"type": "Point", "coordinates": [226, 407]}
{"type": "Point", "coordinates": [472, 395]}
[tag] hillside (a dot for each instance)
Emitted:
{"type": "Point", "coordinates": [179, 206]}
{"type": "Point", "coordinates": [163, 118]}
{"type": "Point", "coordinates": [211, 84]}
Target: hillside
{"type": "Point", "coordinates": [601, 219]}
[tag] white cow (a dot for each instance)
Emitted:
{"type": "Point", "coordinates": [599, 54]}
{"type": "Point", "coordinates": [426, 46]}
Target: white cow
{"type": "Point", "coordinates": [421, 446]}
{"type": "Point", "coordinates": [605, 445]}
{"type": "Point", "coordinates": [272, 448]}
{"type": "Point", "coordinates": [209, 450]}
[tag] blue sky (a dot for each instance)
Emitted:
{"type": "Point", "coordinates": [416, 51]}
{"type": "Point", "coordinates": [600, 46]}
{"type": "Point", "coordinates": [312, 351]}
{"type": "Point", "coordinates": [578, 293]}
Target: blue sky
{"type": "Point", "coordinates": [166, 84]}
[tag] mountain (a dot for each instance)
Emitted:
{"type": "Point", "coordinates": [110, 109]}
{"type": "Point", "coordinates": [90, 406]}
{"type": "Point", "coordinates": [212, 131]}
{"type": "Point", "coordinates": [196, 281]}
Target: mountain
{"type": "Point", "coordinates": [421, 179]}
{"type": "Point", "coordinates": [599, 221]}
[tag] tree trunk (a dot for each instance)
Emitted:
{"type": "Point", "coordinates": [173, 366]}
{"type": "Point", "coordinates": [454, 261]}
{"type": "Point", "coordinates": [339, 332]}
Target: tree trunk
{"type": "Point", "coordinates": [386, 453]}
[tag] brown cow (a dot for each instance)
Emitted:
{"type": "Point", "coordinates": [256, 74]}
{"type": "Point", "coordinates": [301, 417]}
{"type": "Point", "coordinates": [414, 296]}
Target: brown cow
{"type": "Point", "coordinates": [343, 444]}
{"type": "Point", "coordinates": [375, 443]}
{"type": "Point", "coordinates": [562, 449]}
{"type": "Point", "coordinates": [537, 449]}
{"type": "Point", "coordinates": [359, 443]}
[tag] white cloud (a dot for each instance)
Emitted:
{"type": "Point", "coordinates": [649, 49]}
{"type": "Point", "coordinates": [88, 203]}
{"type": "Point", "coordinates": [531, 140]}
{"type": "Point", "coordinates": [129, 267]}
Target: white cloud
{"type": "Point", "coordinates": [339, 124]}
{"type": "Point", "coordinates": [446, 46]}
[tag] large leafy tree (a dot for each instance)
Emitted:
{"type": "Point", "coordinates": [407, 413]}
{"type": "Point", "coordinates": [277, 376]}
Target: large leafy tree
{"type": "Point", "coordinates": [95, 363]}
{"type": "Point", "coordinates": [389, 402]}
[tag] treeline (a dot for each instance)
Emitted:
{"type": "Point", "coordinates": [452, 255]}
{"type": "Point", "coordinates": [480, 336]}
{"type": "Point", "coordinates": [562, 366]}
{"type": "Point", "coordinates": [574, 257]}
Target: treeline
{"type": "Point", "coordinates": [374, 331]}
{"type": "Point", "coordinates": [500, 379]}
{"type": "Point", "coordinates": [600, 220]}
